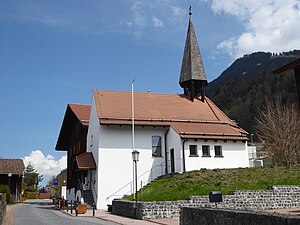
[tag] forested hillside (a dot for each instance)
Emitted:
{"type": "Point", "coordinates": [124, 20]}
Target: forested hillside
{"type": "Point", "coordinates": [242, 89]}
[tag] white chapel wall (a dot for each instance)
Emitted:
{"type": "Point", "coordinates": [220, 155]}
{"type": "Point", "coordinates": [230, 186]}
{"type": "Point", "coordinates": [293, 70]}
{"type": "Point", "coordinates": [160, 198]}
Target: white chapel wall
{"type": "Point", "coordinates": [92, 146]}
{"type": "Point", "coordinates": [174, 142]}
{"type": "Point", "coordinates": [234, 155]}
{"type": "Point", "coordinates": [115, 170]}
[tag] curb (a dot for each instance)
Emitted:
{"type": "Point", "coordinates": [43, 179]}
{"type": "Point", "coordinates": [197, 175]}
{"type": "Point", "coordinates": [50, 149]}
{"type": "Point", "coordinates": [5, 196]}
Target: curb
{"type": "Point", "coordinates": [73, 215]}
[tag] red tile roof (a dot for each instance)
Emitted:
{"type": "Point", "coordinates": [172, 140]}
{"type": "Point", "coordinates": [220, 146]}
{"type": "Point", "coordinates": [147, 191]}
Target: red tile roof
{"type": "Point", "coordinates": [74, 113]}
{"type": "Point", "coordinates": [189, 119]}
{"type": "Point", "coordinates": [14, 166]}
{"type": "Point", "coordinates": [82, 112]}
{"type": "Point", "coordinates": [85, 161]}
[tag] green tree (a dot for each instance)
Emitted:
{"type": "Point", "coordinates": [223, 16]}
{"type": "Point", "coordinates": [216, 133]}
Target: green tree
{"type": "Point", "coordinates": [31, 178]}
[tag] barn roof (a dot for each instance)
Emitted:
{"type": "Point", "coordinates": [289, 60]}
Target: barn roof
{"type": "Point", "coordinates": [74, 113]}
{"type": "Point", "coordinates": [14, 166]}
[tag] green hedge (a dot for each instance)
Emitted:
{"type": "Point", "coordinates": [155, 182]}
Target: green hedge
{"type": "Point", "coordinates": [31, 195]}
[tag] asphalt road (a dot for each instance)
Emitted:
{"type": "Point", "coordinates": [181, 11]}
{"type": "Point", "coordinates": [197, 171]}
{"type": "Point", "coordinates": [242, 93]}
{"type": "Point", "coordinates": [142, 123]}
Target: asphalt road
{"type": "Point", "coordinates": [40, 212]}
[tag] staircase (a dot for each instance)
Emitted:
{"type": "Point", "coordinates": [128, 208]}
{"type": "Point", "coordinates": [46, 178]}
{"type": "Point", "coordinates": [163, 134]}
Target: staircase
{"type": "Point", "coordinates": [88, 198]}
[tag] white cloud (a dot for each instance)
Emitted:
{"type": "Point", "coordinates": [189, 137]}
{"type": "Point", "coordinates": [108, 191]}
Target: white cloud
{"type": "Point", "coordinates": [157, 22]}
{"type": "Point", "coordinates": [138, 17]}
{"type": "Point", "coordinates": [177, 11]}
{"type": "Point", "coordinates": [270, 25]}
{"type": "Point", "coordinates": [46, 165]}
{"type": "Point", "coordinates": [178, 15]}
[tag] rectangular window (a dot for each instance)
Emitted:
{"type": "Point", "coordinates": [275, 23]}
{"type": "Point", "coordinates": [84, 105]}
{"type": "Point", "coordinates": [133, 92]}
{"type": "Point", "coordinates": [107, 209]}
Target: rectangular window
{"type": "Point", "coordinates": [193, 150]}
{"type": "Point", "coordinates": [156, 146]}
{"type": "Point", "coordinates": [218, 151]}
{"type": "Point", "coordinates": [205, 150]}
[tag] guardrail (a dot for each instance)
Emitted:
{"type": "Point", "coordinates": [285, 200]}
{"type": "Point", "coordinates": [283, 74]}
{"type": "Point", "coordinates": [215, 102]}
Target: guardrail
{"type": "Point", "coordinates": [131, 183]}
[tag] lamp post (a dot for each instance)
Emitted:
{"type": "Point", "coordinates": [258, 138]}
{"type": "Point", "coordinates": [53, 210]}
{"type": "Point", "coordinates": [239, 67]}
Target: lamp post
{"type": "Point", "coordinates": [9, 176]}
{"type": "Point", "coordinates": [135, 153]}
{"type": "Point", "coordinates": [135, 158]}
{"type": "Point", "coordinates": [132, 115]}
{"type": "Point", "coordinates": [252, 145]}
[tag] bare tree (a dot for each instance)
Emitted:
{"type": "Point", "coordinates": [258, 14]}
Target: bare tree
{"type": "Point", "coordinates": [278, 127]}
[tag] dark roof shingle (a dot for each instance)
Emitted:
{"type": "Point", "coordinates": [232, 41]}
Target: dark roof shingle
{"type": "Point", "coordinates": [14, 166]}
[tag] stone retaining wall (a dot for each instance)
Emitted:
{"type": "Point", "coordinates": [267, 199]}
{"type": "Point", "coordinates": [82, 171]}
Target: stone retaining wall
{"type": "Point", "coordinates": [274, 198]}
{"type": "Point", "coordinates": [2, 206]}
{"type": "Point", "coordinates": [209, 216]}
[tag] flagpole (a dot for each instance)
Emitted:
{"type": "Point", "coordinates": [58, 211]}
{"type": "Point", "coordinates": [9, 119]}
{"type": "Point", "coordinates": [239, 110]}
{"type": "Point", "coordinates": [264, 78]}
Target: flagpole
{"type": "Point", "coordinates": [132, 111]}
{"type": "Point", "coordinates": [132, 114]}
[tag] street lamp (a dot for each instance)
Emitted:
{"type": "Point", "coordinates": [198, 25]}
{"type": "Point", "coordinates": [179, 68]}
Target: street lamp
{"type": "Point", "coordinates": [135, 158]}
{"type": "Point", "coordinates": [252, 145]}
{"type": "Point", "coordinates": [9, 176]}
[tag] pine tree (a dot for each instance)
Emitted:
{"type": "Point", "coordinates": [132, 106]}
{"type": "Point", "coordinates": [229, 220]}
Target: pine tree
{"type": "Point", "coordinates": [31, 178]}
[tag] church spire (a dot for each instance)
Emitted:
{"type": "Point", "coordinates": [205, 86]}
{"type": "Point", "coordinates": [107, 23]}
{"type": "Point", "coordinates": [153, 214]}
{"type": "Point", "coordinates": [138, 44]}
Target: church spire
{"type": "Point", "coordinates": [192, 76]}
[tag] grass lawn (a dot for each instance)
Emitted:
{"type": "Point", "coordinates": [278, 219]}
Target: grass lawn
{"type": "Point", "coordinates": [201, 182]}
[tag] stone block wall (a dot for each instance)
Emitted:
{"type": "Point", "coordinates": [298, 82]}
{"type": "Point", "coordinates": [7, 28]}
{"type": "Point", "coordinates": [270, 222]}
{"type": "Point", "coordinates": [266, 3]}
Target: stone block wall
{"type": "Point", "coordinates": [125, 208]}
{"type": "Point", "coordinates": [209, 216]}
{"type": "Point", "coordinates": [148, 210]}
{"type": "Point", "coordinates": [2, 206]}
{"type": "Point", "coordinates": [274, 198]}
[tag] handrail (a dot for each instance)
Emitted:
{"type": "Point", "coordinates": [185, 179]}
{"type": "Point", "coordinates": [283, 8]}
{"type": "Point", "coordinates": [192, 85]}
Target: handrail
{"type": "Point", "coordinates": [150, 170]}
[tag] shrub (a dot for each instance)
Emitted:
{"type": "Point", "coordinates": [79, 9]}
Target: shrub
{"type": "Point", "coordinates": [30, 195]}
{"type": "Point", "coordinates": [5, 189]}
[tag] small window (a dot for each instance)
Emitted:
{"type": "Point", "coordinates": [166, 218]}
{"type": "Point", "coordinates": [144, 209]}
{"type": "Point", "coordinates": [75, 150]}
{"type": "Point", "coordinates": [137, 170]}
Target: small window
{"type": "Point", "coordinates": [156, 146]}
{"type": "Point", "coordinates": [193, 150]}
{"type": "Point", "coordinates": [218, 151]}
{"type": "Point", "coordinates": [205, 150]}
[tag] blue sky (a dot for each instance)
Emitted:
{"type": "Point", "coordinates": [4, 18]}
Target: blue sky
{"type": "Point", "coordinates": [56, 52]}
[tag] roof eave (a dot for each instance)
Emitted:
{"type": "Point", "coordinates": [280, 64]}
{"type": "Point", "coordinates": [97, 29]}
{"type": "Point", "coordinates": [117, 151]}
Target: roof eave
{"type": "Point", "coordinates": [289, 66]}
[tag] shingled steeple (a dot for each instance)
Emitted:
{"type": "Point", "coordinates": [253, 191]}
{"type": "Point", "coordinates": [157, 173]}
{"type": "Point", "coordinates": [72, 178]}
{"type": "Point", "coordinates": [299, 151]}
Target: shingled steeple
{"type": "Point", "coordinates": [192, 76]}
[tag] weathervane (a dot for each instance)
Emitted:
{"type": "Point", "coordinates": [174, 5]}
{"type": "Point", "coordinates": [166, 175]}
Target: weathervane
{"type": "Point", "coordinates": [190, 10]}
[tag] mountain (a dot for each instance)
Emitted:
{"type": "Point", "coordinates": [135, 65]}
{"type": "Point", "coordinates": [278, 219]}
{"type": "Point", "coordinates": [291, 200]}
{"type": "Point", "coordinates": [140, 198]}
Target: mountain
{"type": "Point", "coordinates": [243, 88]}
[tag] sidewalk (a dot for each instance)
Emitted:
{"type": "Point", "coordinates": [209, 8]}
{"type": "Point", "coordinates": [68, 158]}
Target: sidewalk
{"type": "Point", "coordinates": [104, 215]}
{"type": "Point", "coordinates": [9, 215]}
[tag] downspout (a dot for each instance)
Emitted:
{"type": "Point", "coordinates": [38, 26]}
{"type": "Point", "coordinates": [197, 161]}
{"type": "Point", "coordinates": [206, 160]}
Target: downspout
{"type": "Point", "coordinates": [166, 152]}
{"type": "Point", "coordinates": [183, 155]}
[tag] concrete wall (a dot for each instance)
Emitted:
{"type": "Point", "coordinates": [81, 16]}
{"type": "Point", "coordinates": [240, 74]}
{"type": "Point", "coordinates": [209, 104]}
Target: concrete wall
{"type": "Point", "coordinates": [209, 216]}
{"type": "Point", "coordinates": [275, 198]}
